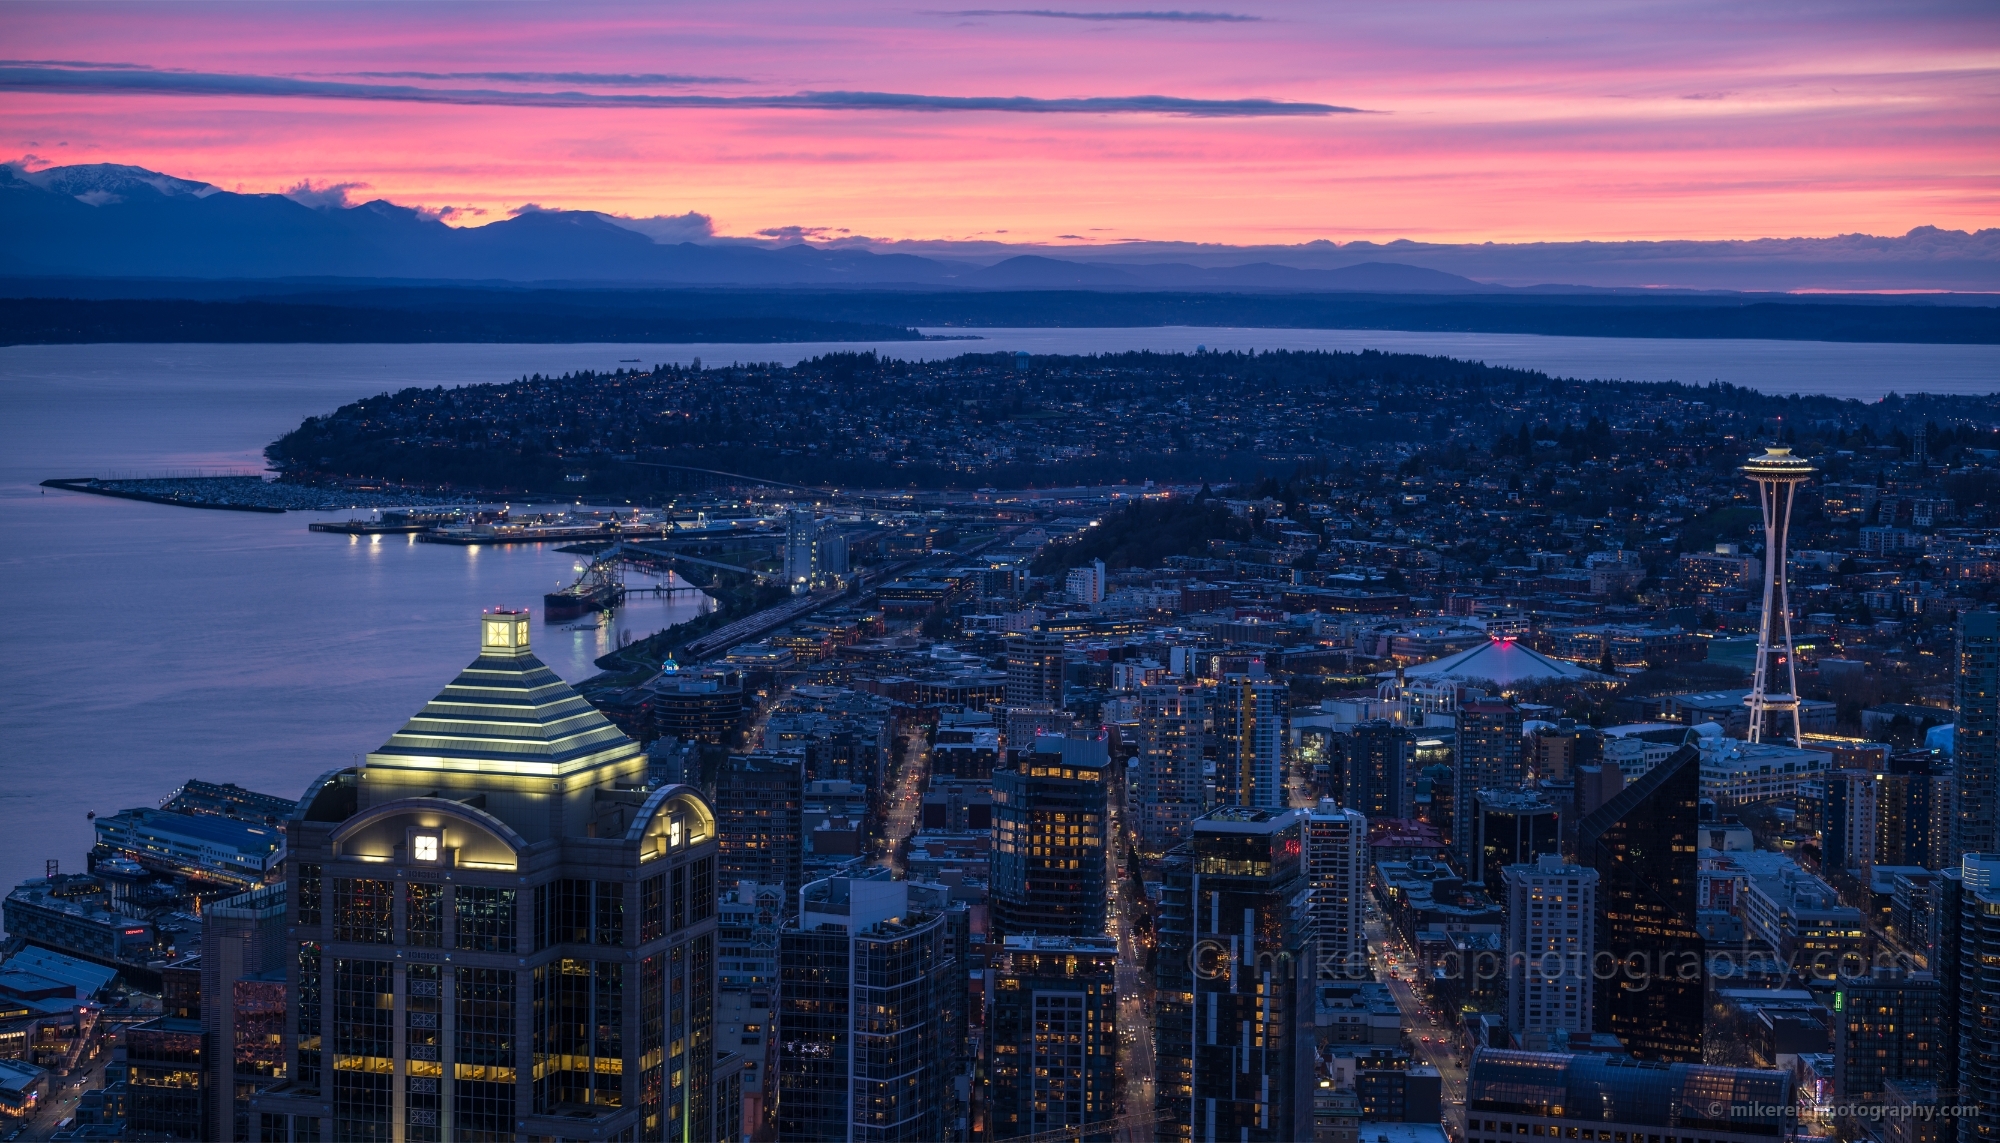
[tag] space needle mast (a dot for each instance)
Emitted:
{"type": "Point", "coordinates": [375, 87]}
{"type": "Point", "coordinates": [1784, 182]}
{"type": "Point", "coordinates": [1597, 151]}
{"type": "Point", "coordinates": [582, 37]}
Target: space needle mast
{"type": "Point", "coordinates": [1777, 475]}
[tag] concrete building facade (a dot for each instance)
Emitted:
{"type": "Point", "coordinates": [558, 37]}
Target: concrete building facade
{"type": "Point", "coordinates": [1551, 939]}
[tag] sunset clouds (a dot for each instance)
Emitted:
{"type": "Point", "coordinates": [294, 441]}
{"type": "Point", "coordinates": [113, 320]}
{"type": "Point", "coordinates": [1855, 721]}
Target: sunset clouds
{"type": "Point", "coordinates": [1240, 123]}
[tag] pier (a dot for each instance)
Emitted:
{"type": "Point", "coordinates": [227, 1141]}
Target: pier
{"type": "Point", "coordinates": [367, 528]}
{"type": "Point", "coordinates": [534, 535]}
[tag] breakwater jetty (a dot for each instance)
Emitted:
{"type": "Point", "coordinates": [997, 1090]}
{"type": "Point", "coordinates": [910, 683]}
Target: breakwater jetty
{"type": "Point", "coordinates": [239, 493]}
{"type": "Point", "coordinates": [226, 493]}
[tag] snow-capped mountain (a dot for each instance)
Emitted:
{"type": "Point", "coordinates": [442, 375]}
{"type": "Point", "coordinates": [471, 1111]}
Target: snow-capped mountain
{"type": "Point", "coordinates": [102, 184]}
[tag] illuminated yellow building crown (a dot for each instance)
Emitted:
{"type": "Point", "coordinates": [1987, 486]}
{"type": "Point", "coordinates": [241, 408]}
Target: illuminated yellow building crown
{"type": "Point", "coordinates": [506, 713]}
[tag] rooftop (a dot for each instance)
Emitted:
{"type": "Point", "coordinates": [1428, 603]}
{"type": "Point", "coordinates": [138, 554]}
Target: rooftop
{"type": "Point", "coordinates": [1034, 943]}
{"type": "Point", "coordinates": [507, 713]}
{"type": "Point", "coordinates": [1504, 662]}
{"type": "Point", "coordinates": [1614, 1090]}
{"type": "Point", "coordinates": [239, 835]}
{"type": "Point", "coordinates": [19, 1075]}
{"type": "Point", "coordinates": [86, 977]}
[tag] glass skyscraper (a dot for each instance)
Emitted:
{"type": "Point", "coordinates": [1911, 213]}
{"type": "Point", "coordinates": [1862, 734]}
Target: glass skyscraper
{"type": "Point", "coordinates": [1487, 755]}
{"type": "Point", "coordinates": [1173, 743]}
{"type": "Point", "coordinates": [1976, 741]}
{"type": "Point", "coordinates": [1250, 732]}
{"type": "Point", "coordinates": [760, 815]}
{"type": "Point", "coordinates": [1642, 844]}
{"type": "Point", "coordinates": [1052, 1037]}
{"type": "Point", "coordinates": [1377, 771]}
{"type": "Point", "coordinates": [1233, 989]}
{"type": "Point", "coordinates": [866, 1016]}
{"type": "Point", "coordinates": [1336, 853]}
{"type": "Point", "coordinates": [1050, 825]}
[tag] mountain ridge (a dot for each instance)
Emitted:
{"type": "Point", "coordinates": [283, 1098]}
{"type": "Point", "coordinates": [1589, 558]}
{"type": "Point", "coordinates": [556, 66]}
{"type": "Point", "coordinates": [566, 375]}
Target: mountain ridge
{"type": "Point", "coordinates": [110, 220]}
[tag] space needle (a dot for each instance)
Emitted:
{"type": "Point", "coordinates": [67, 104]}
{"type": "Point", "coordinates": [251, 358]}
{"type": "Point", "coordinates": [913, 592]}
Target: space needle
{"type": "Point", "coordinates": [1777, 475]}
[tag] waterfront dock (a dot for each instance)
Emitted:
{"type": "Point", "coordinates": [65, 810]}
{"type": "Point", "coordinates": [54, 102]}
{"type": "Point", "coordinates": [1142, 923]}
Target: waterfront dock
{"type": "Point", "coordinates": [529, 534]}
{"type": "Point", "coordinates": [367, 528]}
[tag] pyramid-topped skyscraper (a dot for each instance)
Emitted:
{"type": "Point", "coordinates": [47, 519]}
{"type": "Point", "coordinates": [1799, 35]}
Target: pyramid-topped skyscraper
{"type": "Point", "coordinates": [500, 928]}
{"type": "Point", "coordinates": [510, 730]}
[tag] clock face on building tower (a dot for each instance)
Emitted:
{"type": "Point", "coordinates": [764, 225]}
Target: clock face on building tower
{"type": "Point", "coordinates": [425, 847]}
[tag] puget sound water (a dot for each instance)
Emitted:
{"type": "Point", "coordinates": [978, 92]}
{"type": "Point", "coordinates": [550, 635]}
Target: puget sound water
{"type": "Point", "coordinates": [147, 644]}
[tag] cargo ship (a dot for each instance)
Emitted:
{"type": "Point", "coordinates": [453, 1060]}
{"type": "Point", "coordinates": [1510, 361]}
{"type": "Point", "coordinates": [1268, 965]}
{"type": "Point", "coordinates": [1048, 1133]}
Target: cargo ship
{"type": "Point", "coordinates": [577, 600]}
{"type": "Point", "coordinates": [600, 587]}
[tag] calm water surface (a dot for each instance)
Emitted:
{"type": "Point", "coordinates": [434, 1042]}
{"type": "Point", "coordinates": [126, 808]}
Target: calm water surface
{"type": "Point", "coordinates": [146, 644]}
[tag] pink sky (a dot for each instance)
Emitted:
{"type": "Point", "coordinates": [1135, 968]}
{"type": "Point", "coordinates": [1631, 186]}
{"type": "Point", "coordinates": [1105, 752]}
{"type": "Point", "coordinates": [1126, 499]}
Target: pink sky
{"type": "Point", "coordinates": [1509, 122]}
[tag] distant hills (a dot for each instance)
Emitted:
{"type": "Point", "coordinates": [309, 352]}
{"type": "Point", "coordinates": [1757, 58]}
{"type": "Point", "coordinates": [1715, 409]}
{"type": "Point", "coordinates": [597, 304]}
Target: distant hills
{"type": "Point", "coordinates": [107, 220]}
{"type": "Point", "coordinates": [114, 221]}
{"type": "Point", "coordinates": [111, 253]}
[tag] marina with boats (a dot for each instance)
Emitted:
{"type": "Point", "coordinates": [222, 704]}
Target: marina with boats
{"type": "Point", "coordinates": [467, 527]}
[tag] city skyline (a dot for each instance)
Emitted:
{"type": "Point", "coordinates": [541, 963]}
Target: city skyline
{"type": "Point", "coordinates": [778, 573]}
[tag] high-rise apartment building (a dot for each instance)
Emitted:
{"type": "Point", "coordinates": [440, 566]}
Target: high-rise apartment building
{"type": "Point", "coordinates": [1035, 671]}
{"type": "Point", "coordinates": [1914, 810]}
{"type": "Point", "coordinates": [1554, 752]}
{"type": "Point", "coordinates": [760, 815]}
{"type": "Point", "coordinates": [497, 929]}
{"type": "Point", "coordinates": [1888, 1027]}
{"type": "Point", "coordinates": [1250, 735]}
{"type": "Point", "coordinates": [748, 918]}
{"type": "Point", "coordinates": [1377, 772]}
{"type": "Point", "coordinates": [1850, 820]}
{"type": "Point", "coordinates": [1970, 961]}
{"type": "Point", "coordinates": [1642, 844]}
{"type": "Point", "coordinates": [1515, 827]}
{"type": "Point", "coordinates": [703, 706]}
{"type": "Point", "coordinates": [1234, 993]}
{"type": "Point", "coordinates": [1897, 812]}
{"type": "Point", "coordinates": [865, 1016]}
{"type": "Point", "coordinates": [1487, 755]}
{"type": "Point", "coordinates": [1551, 922]}
{"type": "Point", "coordinates": [801, 537]}
{"type": "Point", "coordinates": [815, 550]}
{"type": "Point", "coordinates": [1336, 851]}
{"type": "Point", "coordinates": [1085, 585]}
{"type": "Point", "coordinates": [1052, 1037]}
{"type": "Point", "coordinates": [1167, 771]}
{"type": "Point", "coordinates": [1050, 831]}
{"type": "Point", "coordinates": [1976, 741]}
{"type": "Point", "coordinates": [244, 950]}
{"type": "Point", "coordinates": [166, 1064]}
